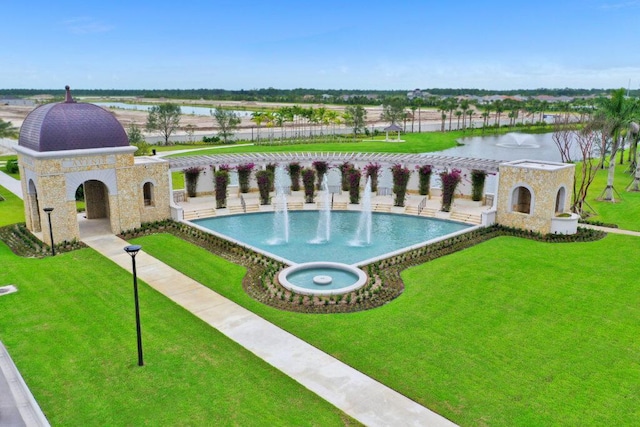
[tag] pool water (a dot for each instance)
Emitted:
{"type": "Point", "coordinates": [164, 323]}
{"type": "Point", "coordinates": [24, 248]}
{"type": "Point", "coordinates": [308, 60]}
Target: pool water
{"type": "Point", "coordinates": [390, 232]}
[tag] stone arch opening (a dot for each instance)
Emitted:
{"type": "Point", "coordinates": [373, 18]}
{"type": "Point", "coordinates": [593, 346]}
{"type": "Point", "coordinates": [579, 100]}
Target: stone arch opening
{"type": "Point", "coordinates": [148, 193]}
{"type": "Point", "coordinates": [34, 206]}
{"type": "Point", "coordinates": [96, 199]}
{"type": "Point", "coordinates": [561, 199]}
{"type": "Point", "coordinates": [522, 200]}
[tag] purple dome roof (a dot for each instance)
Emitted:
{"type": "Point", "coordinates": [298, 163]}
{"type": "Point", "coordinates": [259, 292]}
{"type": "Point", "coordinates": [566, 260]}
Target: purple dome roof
{"type": "Point", "coordinates": [71, 126]}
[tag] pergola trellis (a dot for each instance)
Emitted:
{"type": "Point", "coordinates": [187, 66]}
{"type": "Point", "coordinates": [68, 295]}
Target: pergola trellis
{"type": "Point", "coordinates": [385, 159]}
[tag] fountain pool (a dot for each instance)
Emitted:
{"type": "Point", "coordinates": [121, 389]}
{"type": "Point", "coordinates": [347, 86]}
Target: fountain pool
{"type": "Point", "coordinates": [390, 233]}
{"type": "Point", "coordinates": [322, 278]}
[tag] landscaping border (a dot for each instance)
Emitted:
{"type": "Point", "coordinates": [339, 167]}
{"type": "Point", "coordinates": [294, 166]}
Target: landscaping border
{"type": "Point", "coordinates": [384, 281]}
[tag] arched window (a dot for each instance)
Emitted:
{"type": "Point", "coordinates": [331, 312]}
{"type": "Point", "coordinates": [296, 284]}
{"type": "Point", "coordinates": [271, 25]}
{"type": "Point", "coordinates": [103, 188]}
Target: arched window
{"type": "Point", "coordinates": [147, 191]}
{"type": "Point", "coordinates": [560, 200]}
{"type": "Point", "coordinates": [521, 200]}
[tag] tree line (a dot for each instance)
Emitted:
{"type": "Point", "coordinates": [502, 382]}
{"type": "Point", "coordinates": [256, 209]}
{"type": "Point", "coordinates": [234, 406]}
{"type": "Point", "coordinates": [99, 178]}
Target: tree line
{"type": "Point", "coordinates": [304, 95]}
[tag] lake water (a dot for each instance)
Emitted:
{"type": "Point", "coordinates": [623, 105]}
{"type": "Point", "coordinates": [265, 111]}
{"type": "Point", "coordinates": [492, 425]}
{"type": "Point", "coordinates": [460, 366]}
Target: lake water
{"type": "Point", "coordinates": [510, 146]}
{"type": "Point", "coordinates": [185, 109]}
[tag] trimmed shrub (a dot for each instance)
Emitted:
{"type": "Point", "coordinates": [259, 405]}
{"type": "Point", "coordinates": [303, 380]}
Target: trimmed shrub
{"type": "Point", "coordinates": [371, 171]}
{"type": "Point", "coordinates": [400, 180]}
{"type": "Point", "coordinates": [424, 174]}
{"type": "Point", "coordinates": [308, 180]}
{"type": "Point", "coordinates": [321, 168]}
{"type": "Point", "coordinates": [221, 180]}
{"type": "Point", "coordinates": [450, 181]}
{"type": "Point", "coordinates": [244, 174]}
{"type": "Point", "coordinates": [294, 173]}
{"type": "Point", "coordinates": [191, 176]}
{"type": "Point", "coordinates": [477, 184]}
{"type": "Point", "coordinates": [354, 185]}
{"type": "Point", "coordinates": [264, 178]}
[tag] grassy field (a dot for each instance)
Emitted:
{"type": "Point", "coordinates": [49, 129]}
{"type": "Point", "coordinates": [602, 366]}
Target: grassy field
{"type": "Point", "coordinates": [626, 211]}
{"type": "Point", "coordinates": [500, 334]}
{"type": "Point", "coordinates": [510, 332]}
{"type": "Point", "coordinates": [414, 143]}
{"type": "Point", "coordinates": [11, 208]}
{"type": "Point", "coordinates": [71, 331]}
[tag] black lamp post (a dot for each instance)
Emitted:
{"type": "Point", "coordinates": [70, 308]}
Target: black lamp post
{"type": "Point", "coordinates": [48, 211]}
{"type": "Point", "coordinates": [133, 251]}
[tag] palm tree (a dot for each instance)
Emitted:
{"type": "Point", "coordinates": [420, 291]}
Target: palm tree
{"type": "Point", "coordinates": [458, 115]}
{"type": "Point", "coordinates": [469, 112]}
{"type": "Point", "coordinates": [258, 117]}
{"type": "Point", "coordinates": [464, 106]}
{"type": "Point", "coordinates": [319, 117]}
{"type": "Point", "coordinates": [7, 130]}
{"type": "Point", "coordinates": [498, 107]}
{"type": "Point", "coordinates": [452, 104]}
{"type": "Point", "coordinates": [616, 113]}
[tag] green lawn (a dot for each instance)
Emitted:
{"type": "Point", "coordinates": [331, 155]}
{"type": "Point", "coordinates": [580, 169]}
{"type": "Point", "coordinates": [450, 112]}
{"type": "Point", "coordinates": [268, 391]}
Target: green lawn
{"type": "Point", "coordinates": [626, 211]}
{"type": "Point", "coordinates": [509, 332]}
{"type": "Point", "coordinates": [3, 160]}
{"type": "Point", "coordinates": [71, 331]}
{"type": "Point", "coordinates": [414, 143]}
{"type": "Point", "coordinates": [11, 208]}
{"type": "Point", "coordinates": [177, 180]}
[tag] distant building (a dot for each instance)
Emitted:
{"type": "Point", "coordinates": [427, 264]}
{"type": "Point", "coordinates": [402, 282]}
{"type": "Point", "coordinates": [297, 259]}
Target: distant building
{"type": "Point", "coordinates": [416, 93]}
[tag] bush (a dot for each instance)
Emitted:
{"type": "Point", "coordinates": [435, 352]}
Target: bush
{"type": "Point", "coordinates": [12, 166]}
{"type": "Point", "coordinates": [477, 184]}
{"type": "Point", "coordinates": [211, 140]}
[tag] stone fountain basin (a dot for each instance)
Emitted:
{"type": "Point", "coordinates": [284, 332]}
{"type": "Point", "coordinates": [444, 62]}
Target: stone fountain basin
{"type": "Point", "coordinates": [336, 278]}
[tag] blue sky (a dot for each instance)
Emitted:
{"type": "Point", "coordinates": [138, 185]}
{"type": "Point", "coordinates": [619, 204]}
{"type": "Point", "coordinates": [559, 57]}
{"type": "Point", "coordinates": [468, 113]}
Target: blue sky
{"type": "Point", "coordinates": [346, 44]}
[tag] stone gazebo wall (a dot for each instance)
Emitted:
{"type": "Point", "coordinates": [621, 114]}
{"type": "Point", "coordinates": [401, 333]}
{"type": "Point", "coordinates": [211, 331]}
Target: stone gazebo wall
{"type": "Point", "coordinates": [531, 194]}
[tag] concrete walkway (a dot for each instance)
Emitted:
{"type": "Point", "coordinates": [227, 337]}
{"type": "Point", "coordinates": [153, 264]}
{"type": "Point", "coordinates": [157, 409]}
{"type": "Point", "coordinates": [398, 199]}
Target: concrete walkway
{"type": "Point", "coordinates": [11, 184]}
{"type": "Point", "coordinates": [363, 398]}
{"type": "Point", "coordinates": [17, 406]}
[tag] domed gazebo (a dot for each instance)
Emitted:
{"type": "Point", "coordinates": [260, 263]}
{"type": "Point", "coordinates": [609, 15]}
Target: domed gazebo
{"type": "Point", "coordinates": [69, 144]}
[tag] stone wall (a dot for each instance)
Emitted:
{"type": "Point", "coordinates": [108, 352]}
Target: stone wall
{"type": "Point", "coordinates": [114, 189]}
{"type": "Point", "coordinates": [544, 180]}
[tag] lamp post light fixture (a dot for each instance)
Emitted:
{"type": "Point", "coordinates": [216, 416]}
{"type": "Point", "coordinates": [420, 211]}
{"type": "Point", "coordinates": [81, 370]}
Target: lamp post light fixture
{"type": "Point", "coordinates": [48, 211]}
{"type": "Point", "coordinates": [133, 251]}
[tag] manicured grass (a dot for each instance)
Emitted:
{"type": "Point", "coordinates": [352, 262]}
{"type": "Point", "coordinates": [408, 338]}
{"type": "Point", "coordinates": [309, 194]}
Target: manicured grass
{"type": "Point", "coordinates": [626, 211]}
{"type": "Point", "coordinates": [509, 332]}
{"type": "Point", "coordinates": [414, 143]}
{"type": "Point", "coordinates": [71, 331]}
{"type": "Point", "coordinates": [3, 160]}
{"type": "Point", "coordinates": [11, 208]}
{"type": "Point", "coordinates": [177, 180]}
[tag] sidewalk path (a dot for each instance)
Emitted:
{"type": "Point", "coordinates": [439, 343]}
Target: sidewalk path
{"type": "Point", "coordinates": [361, 397]}
{"type": "Point", "coordinates": [18, 408]}
{"type": "Point", "coordinates": [611, 230]}
{"type": "Point", "coordinates": [11, 184]}
{"type": "Point", "coordinates": [213, 147]}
